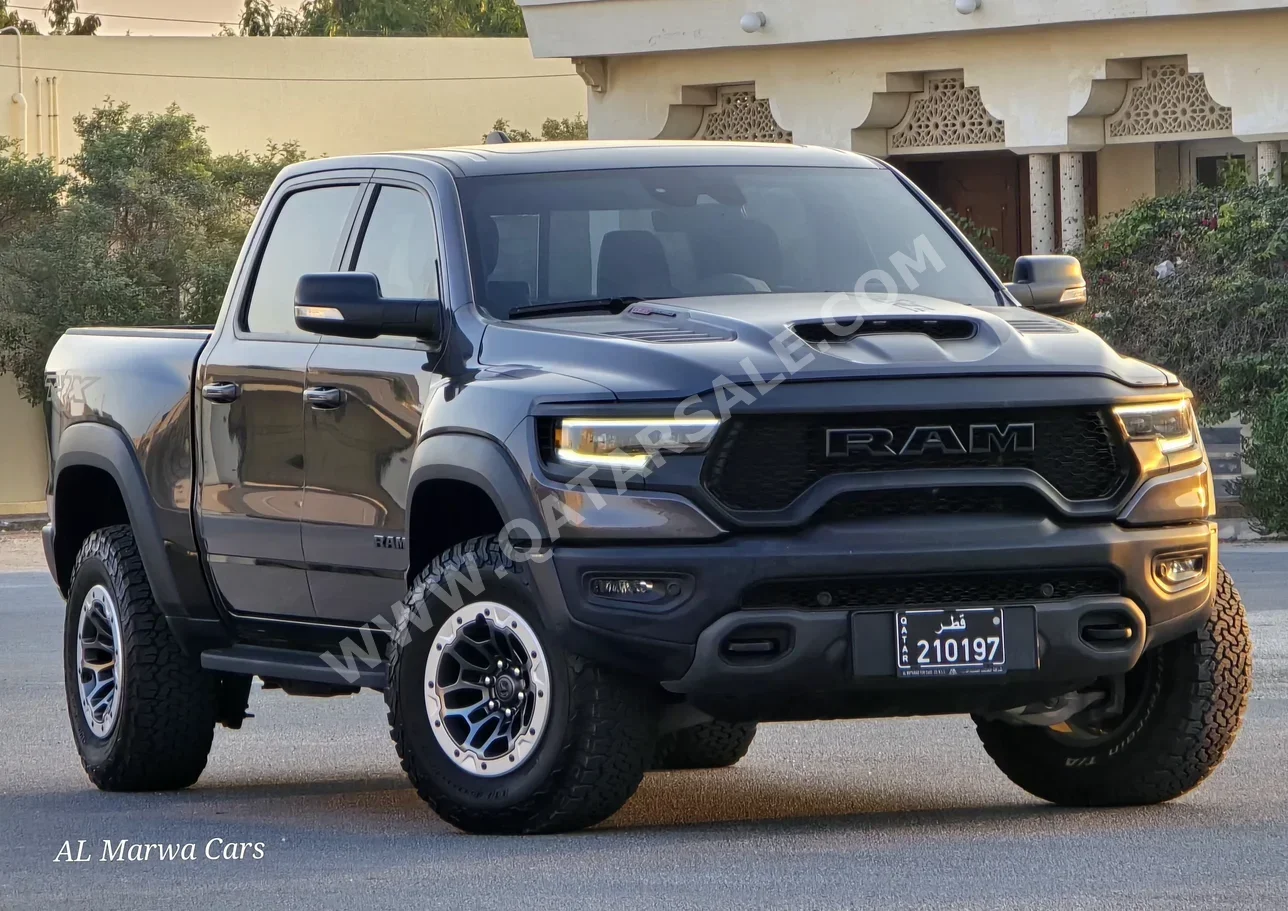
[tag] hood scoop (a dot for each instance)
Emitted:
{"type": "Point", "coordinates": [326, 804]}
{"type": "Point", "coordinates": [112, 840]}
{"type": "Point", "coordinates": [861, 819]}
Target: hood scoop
{"type": "Point", "coordinates": [941, 329]}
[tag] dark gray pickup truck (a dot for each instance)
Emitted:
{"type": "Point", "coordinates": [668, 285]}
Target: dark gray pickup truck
{"type": "Point", "coordinates": [593, 456]}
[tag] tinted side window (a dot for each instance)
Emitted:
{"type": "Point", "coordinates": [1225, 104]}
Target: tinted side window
{"type": "Point", "coordinates": [400, 245]}
{"type": "Point", "coordinates": [306, 237]}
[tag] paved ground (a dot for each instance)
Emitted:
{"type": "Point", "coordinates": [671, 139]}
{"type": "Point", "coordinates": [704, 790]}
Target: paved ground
{"type": "Point", "coordinates": [864, 815]}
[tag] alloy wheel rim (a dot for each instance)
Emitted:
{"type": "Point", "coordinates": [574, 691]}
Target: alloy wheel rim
{"type": "Point", "coordinates": [487, 689]}
{"type": "Point", "coordinates": [99, 662]}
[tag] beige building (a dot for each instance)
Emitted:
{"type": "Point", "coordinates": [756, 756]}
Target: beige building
{"type": "Point", "coordinates": [1029, 116]}
{"type": "Point", "coordinates": [332, 95]}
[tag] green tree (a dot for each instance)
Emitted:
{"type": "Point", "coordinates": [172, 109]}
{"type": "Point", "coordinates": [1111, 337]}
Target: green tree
{"type": "Point", "coordinates": [248, 176]}
{"type": "Point", "coordinates": [143, 230]}
{"type": "Point", "coordinates": [260, 20]}
{"type": "Point", "coordinates": [11, 19]}
{"type": "Point", "coordinates": [64, 21]}
{"type": "Point", "coordinates": [30, 190]}
{"type": "Point", "coordinates": [552, 130]}
{"type": "Point", "coordinates": [330, 18]}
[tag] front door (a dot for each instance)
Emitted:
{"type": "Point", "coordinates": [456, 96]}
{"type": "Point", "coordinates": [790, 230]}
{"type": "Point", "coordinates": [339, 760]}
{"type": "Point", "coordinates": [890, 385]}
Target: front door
{"type": "Point", "coordinates": [360, 429]}
{"type": "Point", "coordinates": [250, 407]}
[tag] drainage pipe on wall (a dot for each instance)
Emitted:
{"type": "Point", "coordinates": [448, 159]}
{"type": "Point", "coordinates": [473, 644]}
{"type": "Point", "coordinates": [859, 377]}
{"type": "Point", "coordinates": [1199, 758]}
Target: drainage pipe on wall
{"type": "Point", "coordinates": [40, 118]}
{"type": "Point", "coordinates": [55, 146]}
{"type": "Point", "coordinates": [19, 99]}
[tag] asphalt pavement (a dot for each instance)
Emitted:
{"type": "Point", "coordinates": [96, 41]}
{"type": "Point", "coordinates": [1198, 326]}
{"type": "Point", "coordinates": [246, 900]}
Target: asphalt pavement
{"type": "Point", "coordinates": [869, 814]}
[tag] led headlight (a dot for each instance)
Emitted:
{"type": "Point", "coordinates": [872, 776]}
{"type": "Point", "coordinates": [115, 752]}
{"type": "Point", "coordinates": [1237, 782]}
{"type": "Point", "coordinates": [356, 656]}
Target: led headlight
{"type": "Point", "coordinates": [1171, 424]}
{"type": "Point", "coordinates": [629, 442]}
{"type": "Point", "coordinates": [1164, 435]}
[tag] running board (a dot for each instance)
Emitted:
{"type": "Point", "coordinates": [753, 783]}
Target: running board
{"type": "Point", "coordinates": [291, 664]}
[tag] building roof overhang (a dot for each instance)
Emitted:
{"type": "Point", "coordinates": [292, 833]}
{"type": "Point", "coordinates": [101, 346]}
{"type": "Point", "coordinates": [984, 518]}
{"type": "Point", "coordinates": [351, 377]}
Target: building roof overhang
{"type": "Point", "coordinates": [604, 28]}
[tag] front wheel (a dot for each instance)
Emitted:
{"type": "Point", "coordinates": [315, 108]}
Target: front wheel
{"type": "Point", "coordinates": [499, 729]}
{"type": "Point", "coordinates": [1183, 706]}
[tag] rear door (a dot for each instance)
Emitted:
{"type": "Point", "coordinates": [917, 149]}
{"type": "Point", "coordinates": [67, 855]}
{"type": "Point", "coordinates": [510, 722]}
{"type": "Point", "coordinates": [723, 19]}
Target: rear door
{"type": "Point", "coordinates": [360, 428]}
{"type": "Point", "coordinates": [250, 409]}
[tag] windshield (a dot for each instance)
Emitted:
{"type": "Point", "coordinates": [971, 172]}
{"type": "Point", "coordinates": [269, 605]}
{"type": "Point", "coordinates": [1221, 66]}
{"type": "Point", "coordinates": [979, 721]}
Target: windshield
{"type": "Point", "coordinates": [540, 239]}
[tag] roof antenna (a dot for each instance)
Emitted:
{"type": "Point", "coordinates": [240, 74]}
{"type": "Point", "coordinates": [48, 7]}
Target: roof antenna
{"type": "Point", "coordinates": [497, 137]}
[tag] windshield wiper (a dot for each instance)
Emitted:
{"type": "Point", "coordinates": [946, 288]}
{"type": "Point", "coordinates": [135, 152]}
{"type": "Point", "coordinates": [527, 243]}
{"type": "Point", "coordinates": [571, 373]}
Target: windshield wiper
{"type": "Point", "coordinates": [610, 304]}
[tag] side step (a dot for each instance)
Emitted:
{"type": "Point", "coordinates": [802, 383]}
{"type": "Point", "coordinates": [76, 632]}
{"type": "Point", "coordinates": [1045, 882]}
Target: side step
{"type": "Point", "coordinates": [289, 664]}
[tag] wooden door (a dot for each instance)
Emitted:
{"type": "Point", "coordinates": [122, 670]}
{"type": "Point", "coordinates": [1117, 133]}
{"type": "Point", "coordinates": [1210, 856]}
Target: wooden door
{"type": "Point", "coordinates": [984, 188]}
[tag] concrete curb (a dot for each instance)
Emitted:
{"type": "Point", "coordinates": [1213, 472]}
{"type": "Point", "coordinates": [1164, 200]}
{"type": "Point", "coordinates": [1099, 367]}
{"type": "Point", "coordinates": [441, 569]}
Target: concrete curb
{"type": "Point", "coordinates": [22, 523]}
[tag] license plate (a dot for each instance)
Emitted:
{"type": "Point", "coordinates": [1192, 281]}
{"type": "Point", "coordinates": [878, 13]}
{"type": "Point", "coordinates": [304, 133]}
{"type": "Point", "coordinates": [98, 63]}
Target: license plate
{"type": "Point", "coordinates": [947, 643]}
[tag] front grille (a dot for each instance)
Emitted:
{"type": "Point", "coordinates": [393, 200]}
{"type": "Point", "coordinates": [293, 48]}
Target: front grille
{"type": "Point", "coordinates": [942, 501]}
{"type": "Point", "coordinates": [764, 462]}
{"type": "Point", "coordinates": [1026, 587]}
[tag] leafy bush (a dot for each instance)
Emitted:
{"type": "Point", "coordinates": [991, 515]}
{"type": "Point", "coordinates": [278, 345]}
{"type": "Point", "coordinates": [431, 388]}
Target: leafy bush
{"type": "Point", "coordinates": [982, 240]}
{"type": "Point", "coordinates": [142, 230]}
{"type": "Point", "coordinates": [552, 130]}
{"type": "Point", "coordinates": [1220, 320]}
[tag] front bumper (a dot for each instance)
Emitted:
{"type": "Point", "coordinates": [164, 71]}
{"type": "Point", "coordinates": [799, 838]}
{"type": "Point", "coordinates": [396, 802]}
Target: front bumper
{"type": "Point", "coordinates": [683, 645]}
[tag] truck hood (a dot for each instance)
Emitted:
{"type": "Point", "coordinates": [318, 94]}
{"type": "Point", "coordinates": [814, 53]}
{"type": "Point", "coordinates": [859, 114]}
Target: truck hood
{"type": "Point", "coordinates": [685, 347]}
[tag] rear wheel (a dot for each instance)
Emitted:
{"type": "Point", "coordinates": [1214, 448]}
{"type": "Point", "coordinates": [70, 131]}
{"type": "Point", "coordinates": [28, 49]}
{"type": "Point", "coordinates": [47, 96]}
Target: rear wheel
{"type": "Point", "coordinates": [713, 745]}
{"type": "Point", "coordinates": [142, 712]}
{"type": "Point", "coordinates": [1182, 707]}
{"type": "Point", "coordinates": [498, 728]}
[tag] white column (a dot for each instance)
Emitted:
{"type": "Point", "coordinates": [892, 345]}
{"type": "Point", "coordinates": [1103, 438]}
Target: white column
{"type": "Point", "coordinates": [1270, 168]}
{"type": "Point", "coordinates": [1042, 203]}
{"type": "Point", "coordinates": [1073, 208]}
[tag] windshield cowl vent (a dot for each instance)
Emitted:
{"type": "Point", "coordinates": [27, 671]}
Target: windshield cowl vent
{"type": "Point", "coordinates": [942, 330]}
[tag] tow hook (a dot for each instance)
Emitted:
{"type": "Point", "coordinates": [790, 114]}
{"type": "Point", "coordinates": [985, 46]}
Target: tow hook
{"type": "Point", "coordinates": [1053, 711]}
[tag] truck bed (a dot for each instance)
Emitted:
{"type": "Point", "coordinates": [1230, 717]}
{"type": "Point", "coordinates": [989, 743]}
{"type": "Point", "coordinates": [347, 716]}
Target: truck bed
{"type": "Point", "coordinates": [138, 382]}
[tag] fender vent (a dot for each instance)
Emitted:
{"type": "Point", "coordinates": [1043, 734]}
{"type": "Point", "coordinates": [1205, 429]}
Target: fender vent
{"type": "Point", "coordinates": [1040, 326]}
{"type": "Point", "coordinates": [939, 329]}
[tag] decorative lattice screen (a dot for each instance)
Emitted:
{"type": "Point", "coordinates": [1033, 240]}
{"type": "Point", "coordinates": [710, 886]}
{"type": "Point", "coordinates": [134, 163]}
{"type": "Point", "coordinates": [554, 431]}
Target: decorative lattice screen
{"type": "Point", "coordinates": [948, 114]}
{"type": "Point", "coordinates": [1169, 101]}
{"type": "Point", "coordinates": [739, 115]}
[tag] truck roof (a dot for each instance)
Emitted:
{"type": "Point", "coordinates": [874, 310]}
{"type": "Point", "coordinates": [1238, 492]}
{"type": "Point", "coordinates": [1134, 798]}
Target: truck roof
{"type": "Point", "coordinates": [540, 157]}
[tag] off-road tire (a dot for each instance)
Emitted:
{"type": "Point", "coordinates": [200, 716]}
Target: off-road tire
{"type": "Point", "coordinates": [598, 738]}
{"type": "Point", "coordinates": [166, 718]}
{"type": "Point", "coordinates": [713, 745]}
{"type": "Point", "coordinates": [1191, 710]}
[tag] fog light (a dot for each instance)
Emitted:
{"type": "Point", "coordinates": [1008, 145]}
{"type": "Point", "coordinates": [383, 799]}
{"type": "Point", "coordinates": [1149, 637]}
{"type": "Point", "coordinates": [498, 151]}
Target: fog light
{"type": "Point", "coordinates": [635, 590]}
{"type": "Point", "coordinates": [1178, 571]}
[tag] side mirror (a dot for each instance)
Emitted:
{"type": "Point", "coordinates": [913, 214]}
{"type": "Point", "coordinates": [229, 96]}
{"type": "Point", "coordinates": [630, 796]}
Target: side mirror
{"type": "Point", "coordinates": [1049, 284]}
{"type": "Point", "coordinates": [349, 305]}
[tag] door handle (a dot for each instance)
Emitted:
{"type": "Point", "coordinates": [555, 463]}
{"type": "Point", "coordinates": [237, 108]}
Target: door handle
{"type": "Point", "coordinates": [220, 392]}
{"type": "Point", "coordinates": [324, 398]}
